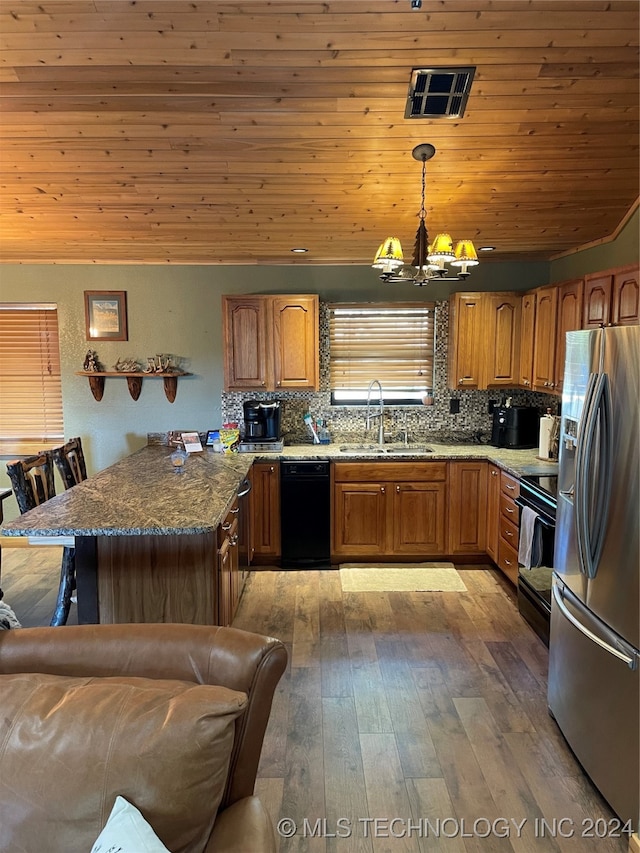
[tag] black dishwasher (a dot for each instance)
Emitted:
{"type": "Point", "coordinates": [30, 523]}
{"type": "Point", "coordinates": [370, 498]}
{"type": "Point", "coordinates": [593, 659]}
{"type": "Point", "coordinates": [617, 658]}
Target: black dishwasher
{"type": "Point", "coordinates": [305, 512]}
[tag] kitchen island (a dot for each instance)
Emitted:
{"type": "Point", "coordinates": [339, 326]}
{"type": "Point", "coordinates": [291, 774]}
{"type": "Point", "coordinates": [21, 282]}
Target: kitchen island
{"type": "Point", "coordinates": [147, 538]}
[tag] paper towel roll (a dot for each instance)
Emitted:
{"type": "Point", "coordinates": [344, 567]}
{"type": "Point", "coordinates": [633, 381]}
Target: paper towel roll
{"type": "Point", "coordinates": [546, 425]}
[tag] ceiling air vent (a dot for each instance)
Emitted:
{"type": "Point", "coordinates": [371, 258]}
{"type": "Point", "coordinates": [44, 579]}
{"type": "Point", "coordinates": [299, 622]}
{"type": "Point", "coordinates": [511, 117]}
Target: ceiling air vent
{"type": "Point", "coordinates": [438, 92]}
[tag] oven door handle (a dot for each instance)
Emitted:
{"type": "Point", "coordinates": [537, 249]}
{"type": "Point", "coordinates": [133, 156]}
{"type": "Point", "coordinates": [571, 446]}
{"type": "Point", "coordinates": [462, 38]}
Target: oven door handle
{"type": "Point", "coordinates": [541, 518]}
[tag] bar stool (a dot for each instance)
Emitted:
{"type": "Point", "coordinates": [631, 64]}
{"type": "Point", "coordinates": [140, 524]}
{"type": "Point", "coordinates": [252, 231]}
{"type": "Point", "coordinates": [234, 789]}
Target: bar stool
{"type": "Point", "coordinates": [33, 485]}
{"type": "Point", "coordinates": [69, 460]}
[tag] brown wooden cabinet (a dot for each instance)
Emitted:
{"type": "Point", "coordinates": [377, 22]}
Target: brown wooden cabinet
{"type": "Point", "coordinates": [385, 509]}
{"type": "Point", "coordinates": [466, 340]}
{"type": "Point", "coordinates": [611, 297]}
{"type": "Point", "coordinates": [467, 507]}
{"type": "Point", "coordinates": [265, 511]}
{"type": "Point", "coordinates": [271, 342]}
{"type": "Point", "coordinates": [508, 526]}
{"type": "Point", "coordinates": [527, 339]}
{"type": "Point", "coordinates": [229, 575]}
{"type": "Point", "coordinates": [484, 334]}
{"type": "Point", "coordinates": [569, 318]}
{"type": "Point", "coordinates": [502, 339]}
{"type": "Point", "coordinates": [544, 350]}
{"type": "Point", "coordinates": [493, 510]}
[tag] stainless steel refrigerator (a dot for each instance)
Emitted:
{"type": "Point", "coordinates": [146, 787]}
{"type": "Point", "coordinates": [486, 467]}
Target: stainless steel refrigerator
{"type": "Point", "coordinates": [594, 686]}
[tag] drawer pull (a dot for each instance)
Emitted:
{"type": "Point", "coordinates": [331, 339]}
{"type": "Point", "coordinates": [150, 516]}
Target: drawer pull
{"type": "Point", "coordinates": [511, 488]}
{"type": "Point", "coordinates": [508, 533]}
{"type": "Point", "coordinates": [509, 510]}
{"type": "Point", "coordinates": [226, 525]}
{"type": "Point", "coordinates": [235, 511]}
{"type": "Point", "coordinates": [508, 562]}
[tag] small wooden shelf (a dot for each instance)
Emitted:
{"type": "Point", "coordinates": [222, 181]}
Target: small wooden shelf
{"type": "Point", "coordinates": [134, 381]}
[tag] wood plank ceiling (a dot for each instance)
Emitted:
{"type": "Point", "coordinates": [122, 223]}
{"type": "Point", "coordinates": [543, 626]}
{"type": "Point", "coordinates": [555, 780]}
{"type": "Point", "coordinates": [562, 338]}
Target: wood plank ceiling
{"type": "Point", "coordinates": [230, 132]}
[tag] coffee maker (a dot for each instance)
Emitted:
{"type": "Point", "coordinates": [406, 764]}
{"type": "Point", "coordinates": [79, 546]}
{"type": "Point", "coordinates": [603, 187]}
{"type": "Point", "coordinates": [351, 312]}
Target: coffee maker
{"type": "Point", "coordinates": [261, 420]}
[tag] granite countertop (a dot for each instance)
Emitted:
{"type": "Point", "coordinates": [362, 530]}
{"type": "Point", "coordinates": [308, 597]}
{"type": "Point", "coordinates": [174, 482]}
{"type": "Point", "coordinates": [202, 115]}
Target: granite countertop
{"type": "Point", "coordinates": [516, 462]}
{"type": "Point", "coordinates": [142, 495]}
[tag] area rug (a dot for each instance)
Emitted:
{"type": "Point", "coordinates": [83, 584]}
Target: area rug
{"type": "Point", "coordinates": [400, 577]}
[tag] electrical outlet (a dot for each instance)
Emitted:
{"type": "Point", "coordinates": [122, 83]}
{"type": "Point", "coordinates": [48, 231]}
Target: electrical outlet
{"type": "Point", "coordinates": [492, 405]}
{"type": "Point", "coordinates": [454, 406]}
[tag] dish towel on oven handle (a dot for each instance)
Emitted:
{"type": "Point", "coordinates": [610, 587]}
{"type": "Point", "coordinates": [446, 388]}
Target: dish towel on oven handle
{"type": "Point", "coordinates": [530, 545]}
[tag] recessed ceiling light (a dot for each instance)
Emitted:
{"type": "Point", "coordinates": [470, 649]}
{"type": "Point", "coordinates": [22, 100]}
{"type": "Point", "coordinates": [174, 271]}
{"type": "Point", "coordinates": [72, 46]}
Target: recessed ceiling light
{"type": "Point", "coordinates": [299, 251]}
{"type": "Point", "coordinates": [486, 248]}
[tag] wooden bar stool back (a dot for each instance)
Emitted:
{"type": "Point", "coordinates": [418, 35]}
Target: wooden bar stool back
{"type": "Point", "coordinates": [69, 460]}
{"type": "Point", "coordinates": [32, 480]}
{"type": "Point", "coordinates": [33, 485]}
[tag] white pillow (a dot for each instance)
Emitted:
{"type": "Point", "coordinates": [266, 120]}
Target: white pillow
{"type": "Point", "coordinates": [128, 832]}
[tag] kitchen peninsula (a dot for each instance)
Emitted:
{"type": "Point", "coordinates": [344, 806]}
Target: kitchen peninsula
{"type": "Point", "coordinates": [146, 537]}
{"type": "Point", "coordinates": [148, 544]}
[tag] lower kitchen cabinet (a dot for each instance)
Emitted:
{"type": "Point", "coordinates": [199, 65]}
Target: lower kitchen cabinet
{"type": "Point", "coordinates": [265, 511]}
{"type": "Point", "coordinates": [467, 507]}
{"type": "Point", "coordinates": [389, 509]}
{"type": "Point", "coordinates": [508, 526]}
{"type": "Point", "coordinates": [230, 573]}
{"type": "Point", "coordinates": [493, 510]}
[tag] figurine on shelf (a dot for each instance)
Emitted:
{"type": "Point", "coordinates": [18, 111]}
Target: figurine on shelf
{"type": "Point", "coordinates": [126, 365]}
{"type": "Point", "coordinates": [91, 363]}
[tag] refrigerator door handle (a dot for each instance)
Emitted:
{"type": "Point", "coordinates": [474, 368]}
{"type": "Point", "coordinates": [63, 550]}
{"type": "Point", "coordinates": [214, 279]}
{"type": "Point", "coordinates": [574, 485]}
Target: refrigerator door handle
{"type": "Point", "coordinates": [581, 484]}
{"type": "Point", "coordinates": [597, 466]}
{"type": "Point", "coordinates": [630, 660]}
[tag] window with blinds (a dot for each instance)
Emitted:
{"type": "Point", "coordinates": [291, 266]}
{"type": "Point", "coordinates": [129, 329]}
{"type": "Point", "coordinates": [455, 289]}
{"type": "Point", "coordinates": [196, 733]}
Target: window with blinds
{"type": "Point", "coordinates": [30, 386]}
{"type": "Point", "coordinates": [393, 343]}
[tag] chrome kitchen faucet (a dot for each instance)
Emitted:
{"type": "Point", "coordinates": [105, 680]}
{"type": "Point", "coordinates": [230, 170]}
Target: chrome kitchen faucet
{"type": "Point", "coordinates": [379, 415]}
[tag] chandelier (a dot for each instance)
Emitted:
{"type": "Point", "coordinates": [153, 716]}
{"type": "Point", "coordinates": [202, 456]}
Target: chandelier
{"type": "Point", "coordinates": [429, 261]}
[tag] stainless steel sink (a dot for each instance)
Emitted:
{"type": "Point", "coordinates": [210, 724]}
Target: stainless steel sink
{"type": "Point", "coordinates": [390, 450]}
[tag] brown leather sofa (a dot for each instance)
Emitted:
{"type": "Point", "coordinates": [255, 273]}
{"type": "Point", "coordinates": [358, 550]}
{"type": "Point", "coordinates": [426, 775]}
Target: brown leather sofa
{"type": "Point", "coordinates": [62, 764]}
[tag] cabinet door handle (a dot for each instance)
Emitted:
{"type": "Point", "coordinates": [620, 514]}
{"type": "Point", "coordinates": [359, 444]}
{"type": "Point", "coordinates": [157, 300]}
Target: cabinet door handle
{"type": "Point", "coordinates": [398, 489]}
{"type": "Point", "coordinates": [272, 470]}
{"type": "Point", "coordinates": [494, 473]}
{"type": "Point", "coordinates": [382, 489]}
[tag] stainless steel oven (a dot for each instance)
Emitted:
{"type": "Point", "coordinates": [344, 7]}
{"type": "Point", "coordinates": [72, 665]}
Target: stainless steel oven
{"type": "Point", "coordinates": [539, 492]}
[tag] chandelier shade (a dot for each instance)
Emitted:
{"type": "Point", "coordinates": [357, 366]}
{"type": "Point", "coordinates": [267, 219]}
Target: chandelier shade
{"type": "Point", "coordinates": [429, 261]}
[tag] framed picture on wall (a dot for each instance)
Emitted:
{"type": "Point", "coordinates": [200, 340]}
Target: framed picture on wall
{"type": "Point", "coordinates": [105, 313]}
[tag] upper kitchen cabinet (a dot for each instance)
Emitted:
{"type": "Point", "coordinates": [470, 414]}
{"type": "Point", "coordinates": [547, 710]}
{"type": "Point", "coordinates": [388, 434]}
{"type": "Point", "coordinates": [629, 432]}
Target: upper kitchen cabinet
{"type": "Point", "coordinates": [485, 340]}
{"type": "Point", "coordinates": [569, 319]}
{"type": "Point", "coordinates": [503, 321]}
{"type": "Point", "coordinates": [465, 340]}
{"type": "Point", "coordinates": [296, 342]}
{"type": "Point", "coordinates": [271, 342]}
{"type": "Point", "coordinates": [244, 329]}
{"type": "Point", "coordinates": [611, 298]}
{"type": "Point", "coordinates": [527, 339]}
{"type": "Point", "coordinates": [544, 350]}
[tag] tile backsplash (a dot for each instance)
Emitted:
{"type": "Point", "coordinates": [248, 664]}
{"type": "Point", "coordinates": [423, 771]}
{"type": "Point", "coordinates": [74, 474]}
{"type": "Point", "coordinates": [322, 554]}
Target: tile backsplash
{"type": "Point", "coordinates": [347, 423]}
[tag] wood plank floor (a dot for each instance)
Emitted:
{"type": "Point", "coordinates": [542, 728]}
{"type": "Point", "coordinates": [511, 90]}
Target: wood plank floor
{"type": "Point", "coordinates": [404, 722]}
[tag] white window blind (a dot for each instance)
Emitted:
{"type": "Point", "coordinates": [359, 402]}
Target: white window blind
{"type": "Point", "coordinates": [393, 343]}
{"type": "Point", "coordinates": [30, 386]}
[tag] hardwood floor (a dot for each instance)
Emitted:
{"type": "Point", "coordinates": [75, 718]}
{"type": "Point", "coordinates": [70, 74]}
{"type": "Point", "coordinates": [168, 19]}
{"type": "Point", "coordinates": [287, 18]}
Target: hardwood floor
{"type": "Point", "coordinates": [426, 708]}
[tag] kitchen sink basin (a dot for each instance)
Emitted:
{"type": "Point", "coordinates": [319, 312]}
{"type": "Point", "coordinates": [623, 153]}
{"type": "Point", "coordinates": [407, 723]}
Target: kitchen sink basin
{"type": "Point", "coordinates": [388, 450]}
